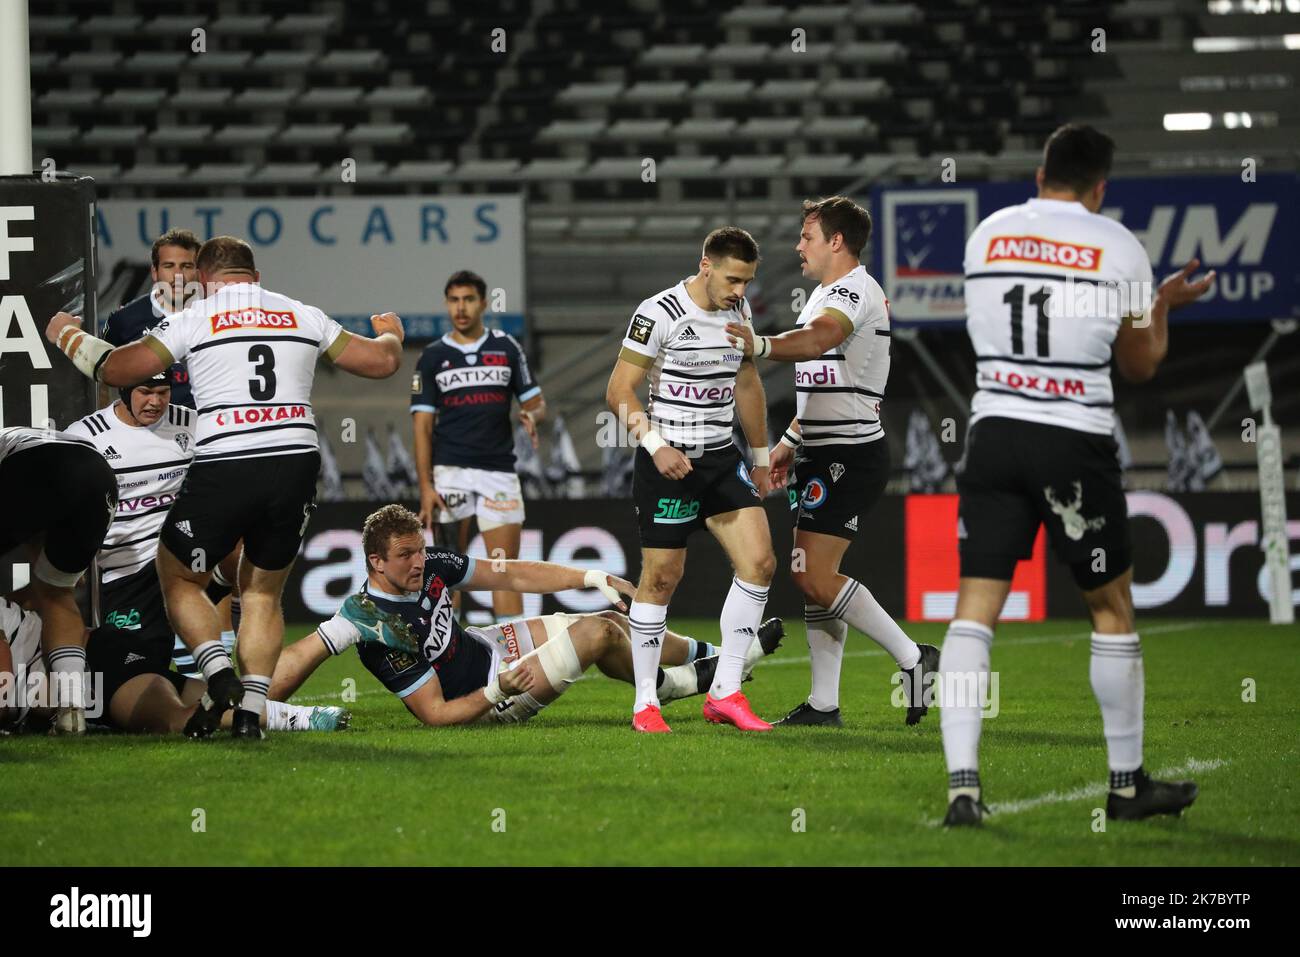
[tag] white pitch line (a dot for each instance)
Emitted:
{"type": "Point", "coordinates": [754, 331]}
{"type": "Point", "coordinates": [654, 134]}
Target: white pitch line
{"type": "Point", "coordinates": [1004, 808]}
{"type": "Point", "coordinates": [1031, 640]}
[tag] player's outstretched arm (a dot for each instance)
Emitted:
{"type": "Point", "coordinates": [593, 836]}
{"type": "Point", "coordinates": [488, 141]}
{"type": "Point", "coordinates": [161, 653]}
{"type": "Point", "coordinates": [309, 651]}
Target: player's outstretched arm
{"type": "Point", "coordinates": [428, 704]}
{"type": "Point", "coordinates": [826, 331]}
{"type": "Point", "coordinates": [376, 358]}
{"type": "Point", "coordinates": [544, 578]}
{"type": "Point", "coordinates": [296, 664]}
{"type": "Point", "coordinates": [99, 360]}
{"type": "Point", "coordinates": [1143, 340]}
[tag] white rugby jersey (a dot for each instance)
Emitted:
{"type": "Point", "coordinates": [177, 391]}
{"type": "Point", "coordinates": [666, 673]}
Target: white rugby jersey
{"type": "Point", "coordinates": [252, 358]}
{"type": "Point", "coordinates": [692, 366]}
{"type": "Point", "coordinates": [838, 394]}
{"type": "Point", "coordinates": [150, 465]}
{"type": "Point", "coordinates": [1047, 286]}
{"type": "Point", "coordinates": [19, 438]}
{"type": "Point", "coordinates": [22, 629]}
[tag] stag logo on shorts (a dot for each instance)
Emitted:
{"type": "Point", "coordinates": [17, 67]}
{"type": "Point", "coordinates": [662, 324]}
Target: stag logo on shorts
{"type": "Point", "coordinates": [1075, 524]}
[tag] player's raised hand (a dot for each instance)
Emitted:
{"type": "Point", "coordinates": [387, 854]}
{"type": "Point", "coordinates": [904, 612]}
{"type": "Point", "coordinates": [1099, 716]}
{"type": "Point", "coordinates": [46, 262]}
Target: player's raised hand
{"type": "Point", "coordinates": [672, 463]}
{"type": "Point", "coordinates": [1178, 291]}
{"type": "Point", "coordinates": [742, 337]}
{"type": "Point", "coordinates": [779, 463]}
{"type": "Point", "coordinates": [387, 322]}
{"type": "Point", "coordinates": [60, 322]}
{"type": "Point", "coordinates": [516, 680]}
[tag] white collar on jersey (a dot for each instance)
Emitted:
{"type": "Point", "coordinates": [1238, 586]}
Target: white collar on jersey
{"type": "Point", "coordinates": [1061, 205]}
{"type": "Point", "coordinates": [470, 347]}
{"type": "Point", "coordinates": [404, 596]}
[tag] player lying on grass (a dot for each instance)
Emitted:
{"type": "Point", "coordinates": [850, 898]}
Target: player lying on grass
{"type": "Point", "coordinates": [155, 701]}
{"type": "Point", "coordinates": [407, 636]}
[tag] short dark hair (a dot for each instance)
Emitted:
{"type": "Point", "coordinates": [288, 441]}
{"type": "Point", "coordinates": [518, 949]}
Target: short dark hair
{"type": "Point", "coordinates": [385, 524]}
{"type": "Point", "coordinates": [839, 214]}
{"type": "Point", "coordinates": [225, 254]}
{"type": "Point", "coordinates": [1077, 158]}
{"type": "Point", "coordinates": [466, 278]}
{"type": "Point", "coordinates": [731, 242]}
{"type": "Point", "coordinates": [174, 237]}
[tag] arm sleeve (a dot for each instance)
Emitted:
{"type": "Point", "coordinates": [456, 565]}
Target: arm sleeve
{"type": "Point", "coordinates": [424, 386]}
{"type": "Point", "coordinates": [174, 333]}
{"type": "Point", "coordinates": [400, 672]}
{"type": "Point", "coordinates": [645, 336]}
{"type": "Point", "coordinates": [333, 337]}
{"type": "Point", "coordinates": [521, 377]}
{"type": "Point", "coordinates": [338, 634]}
{"type": "Point", "coordinates": [454, 568]}
{"type": "Point", "coordinates": [1143, 281]}
{"type": "Point", "coordinates": [855, 303]}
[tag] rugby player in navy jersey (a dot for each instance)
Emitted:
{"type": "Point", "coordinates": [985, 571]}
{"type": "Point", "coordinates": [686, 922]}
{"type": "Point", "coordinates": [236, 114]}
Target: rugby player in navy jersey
{"type": "Point", "coordinates": [172, 269]}
{"type": "Point", "coordinates": [407, 636]}
{"type": "Point", "coordinates": [466, 381]}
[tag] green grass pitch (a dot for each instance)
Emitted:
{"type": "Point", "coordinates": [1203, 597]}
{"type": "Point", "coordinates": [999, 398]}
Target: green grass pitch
{"type": "Point", "coordinates": [576, 786]}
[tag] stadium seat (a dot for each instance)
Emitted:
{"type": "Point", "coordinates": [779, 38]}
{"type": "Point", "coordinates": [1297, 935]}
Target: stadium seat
{"type": "Point", "coordinates": [288, 173]}
{"type": "Point", "coordinates": [250, 25]}
{"type": "Point", "coordinates": [69, 99]}
{"type": "Point", "coordinates": [151, 174]}
{"type": "Point", "coordinates": [673, 91]}
{"type": "Point", "coordinates": [304, 24]}
{"type": "Point", "coordinates": [160, 62]}
{"type": "Point", "coordinates": [266, 98]}
{"type": "Point", "coordinates": [246, 134]}
{"type": "Point", "coordinates": [679, 54]}
{"type": "Point", "coordinates": [701, 128]}
{"type": "Point", "coordinates": [222, 173]}
{"type": "Point", "coordinates": [552, 169]}
{"type": "Point", "coordinates": [148, 99]}
{"type": "Point", "coordinates": [115, 136]}
{"type": "Point", "coordinates": [111, 25]}
{"type": "Point", "coordinates": [597, 93]}
{"type": "Point", "coordinates": [195, 135]}
{"type": "Point", "coordinates": [310, 134]}
{"type": "Point", "coordinates": [330, 98]}
{"type": "Point", "coordinates": [420, 171]}
{"type": "Point", "coordinates": [398, 97]}
{"type": "Point", "coordinates": [378, 133]}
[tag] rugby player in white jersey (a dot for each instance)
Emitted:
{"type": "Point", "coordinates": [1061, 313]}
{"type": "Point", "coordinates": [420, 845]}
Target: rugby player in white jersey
{"type": "Point", "coordinates": [252, 357]}
{"type": "Point", "coordinates": [688, 472]}
{"type": "Point", "coordinates": [148, 441]}
{"type": "Point", "coordinates": [1053, 288]}
{"type": "Point", "coordinates": [59, 496]}
{"type": "Point", "coordinates": [841, 353]}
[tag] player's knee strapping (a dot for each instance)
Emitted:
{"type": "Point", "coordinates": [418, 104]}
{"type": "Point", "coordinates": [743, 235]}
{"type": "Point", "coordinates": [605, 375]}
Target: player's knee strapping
{"type": "Point", "coordinates": [558, 657]}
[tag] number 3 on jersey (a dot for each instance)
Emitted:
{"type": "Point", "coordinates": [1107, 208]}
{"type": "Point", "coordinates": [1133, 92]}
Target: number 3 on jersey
{"type": "Point", "coordinates": [1015, 299]}
{"type": "Point", "coordinates": [263, 387]}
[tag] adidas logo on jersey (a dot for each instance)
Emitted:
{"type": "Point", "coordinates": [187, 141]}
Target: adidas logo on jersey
{"type": "Point", "coordinates": [687, 335]}
{"type": "Point", "coordinates": [184, 528]}
{"type": "Point", "coordinates": [112, 454]}
{"type": "Point", "coordinates": [132, 657]}
{"type": "Point", "coordinates": [852, 524]}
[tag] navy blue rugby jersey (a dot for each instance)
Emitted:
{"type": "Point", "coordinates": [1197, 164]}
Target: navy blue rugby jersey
{"type": "Point", "coordinates": [460, 661]}
{"type": "Point", "coordinates": [470, 386]}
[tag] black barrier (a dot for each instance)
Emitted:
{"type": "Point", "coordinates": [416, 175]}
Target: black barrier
{"type": "Point", "coordinates": [1196, 555]}
{"type": "Point", "coordinates": [47, 265]}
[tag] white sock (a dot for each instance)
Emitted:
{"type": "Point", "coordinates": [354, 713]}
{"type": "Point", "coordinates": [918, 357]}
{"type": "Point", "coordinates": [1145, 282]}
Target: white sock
{"type": "Point", "coordinates": [211, 657]}
{"type": "Point", "coordinates": [255, 689]}
{"type": "Point", "coordinates": [680, 681]}
{"type": "Point", "coordinates": [753, 655]}
{"type": "Point", "coordinates": [287, 717]}
{"type": "Point", "coordinates": [1118, 682]}
{"type": "Point", "coordinates": [826, 635]}
{"type": "Point", "coordinates": [742, 613]}
{"type": "Point", "coordinates": [67, 677]}
{"type": "Point", "coordinates": [228, 641]}
{"type": "Point", "coordinates": [965, 652]}
{"type": "Point", "coordinates": [647, 623]}
{"type": "Point", "coordinates": [856, 605]}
